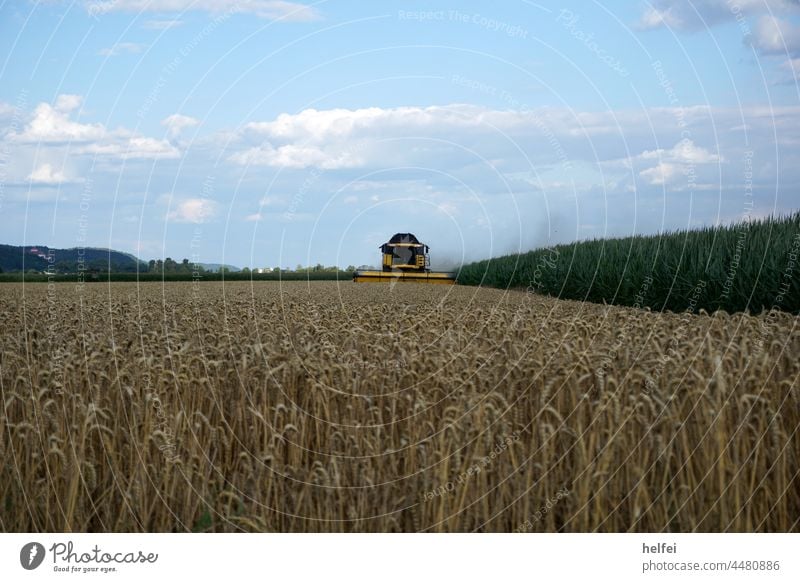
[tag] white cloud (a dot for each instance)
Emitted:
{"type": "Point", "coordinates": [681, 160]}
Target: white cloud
{"type": "Point", "coordinates": [296, 157]}
{"type": "Point", "coordinates": [45, 174]}
{"type": "Point", "coordinates": [269, 9]}
{"type": "Point", "coordinates": [473, 136]}
{"type": "Point", "coordinates": [700, 14]}
{"type": "Point", "coordinates": [675, 162]}
{"type": "Point", "coordinates": [133, 148]}
{"type": "Point", "coordinates": [319, 126]}
{"type": "Point", "coordinates": [344, 138]}
{"type": "Point", "coordinates": [130, 48]}
{"type": "Point", "coordinates": [51, 124]}
{"type": "Point", "coordinates": [162, 24]}
{"type": "Point", "coordinates": [195, 210]}
{"type": "Point", "coordinates": [776, 36]}
{"type": "Point", "coordinates": [682, 152]}
{"type": "Point", "coordinates": [351, 200]}
{"type": "Point", "coordinates": [253, 217]}
{"type": "Point", "coordinates": [176, 123]}
{"type": "Point", "coordinates": [661, 174]}
{"type": "Point", "coordinates": [65, 103]}
{"type": "Point", "coordinates": [352, 135]}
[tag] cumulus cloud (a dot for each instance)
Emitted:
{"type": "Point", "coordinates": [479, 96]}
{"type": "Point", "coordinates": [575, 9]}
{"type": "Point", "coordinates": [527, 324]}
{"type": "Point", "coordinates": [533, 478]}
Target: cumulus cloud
{"type": "Point", "coordinates": [341, 138]}
{"type": "Point", "coordinates": [684, 152]}
{"type": "Point", "coordinates": [268, 9]}
{"type": "Point", "coordinates": [133, 148]}
{"type": "Point", "coordinates": [54, 126]}
{"type": "Point", "coordinates": [296, 157]}
{"type": "Point", "coordinates": [675, 164]}
{"type": "Point", "coordinates": [775, 36]}
{"type": "Point", "coordinates": [356, 131]}
{"type": "Point", "coordinates": [701, 14]}
{"type": "Point", "coordinates": [176, 123]}
{"type": "Point", "coordinates": [661, 174]}
{"type": "Point", "coordinates": [46, 175]}
{"type": "Point", "coordinates": [130, 48]}
{"type": "Point", "coordinates": [345, 138]}
{"type": "Point", "coordinates": [318, 126]}
{"type": "Point", "coordinates": [194, 210]}
{"type": "Point", "coordinates": [670, 167]}
{"type": "Point", "coordinates": [66, 103]}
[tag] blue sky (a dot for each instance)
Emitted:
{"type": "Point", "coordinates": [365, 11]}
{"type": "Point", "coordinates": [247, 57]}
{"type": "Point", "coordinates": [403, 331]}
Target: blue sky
{"type": "Point", "coordinates": [274, 133]}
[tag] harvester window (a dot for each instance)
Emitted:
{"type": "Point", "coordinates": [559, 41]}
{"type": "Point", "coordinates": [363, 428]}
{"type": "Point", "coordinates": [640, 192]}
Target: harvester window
{"type": "Point", "coordinates": [403, 255]}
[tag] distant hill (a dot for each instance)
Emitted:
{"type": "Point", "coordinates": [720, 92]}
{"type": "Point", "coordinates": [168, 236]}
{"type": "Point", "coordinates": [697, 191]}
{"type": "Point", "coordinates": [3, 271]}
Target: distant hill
{"type": "Point", "coordinates": [40, 257]}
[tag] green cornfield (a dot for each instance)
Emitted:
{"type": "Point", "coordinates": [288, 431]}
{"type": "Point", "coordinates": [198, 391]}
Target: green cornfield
{"type": "Point", "coordinates": [751, 266]}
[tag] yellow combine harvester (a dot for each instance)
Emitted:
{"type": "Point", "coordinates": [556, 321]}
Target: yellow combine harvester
{"type": "Point", "coordinates": [405, 260]}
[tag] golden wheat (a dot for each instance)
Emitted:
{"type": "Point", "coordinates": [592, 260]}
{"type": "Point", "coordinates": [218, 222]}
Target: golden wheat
{"type": "Point", "coordinates": [345, 407]}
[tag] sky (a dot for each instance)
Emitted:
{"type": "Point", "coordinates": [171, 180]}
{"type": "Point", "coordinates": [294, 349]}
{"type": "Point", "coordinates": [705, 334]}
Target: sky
{"type": "Point", "coordinates": [267, 133]}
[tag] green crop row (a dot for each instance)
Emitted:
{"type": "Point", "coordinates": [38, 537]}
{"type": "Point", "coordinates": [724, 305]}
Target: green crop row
{"type": "Point", "coordinates": [749, 266]}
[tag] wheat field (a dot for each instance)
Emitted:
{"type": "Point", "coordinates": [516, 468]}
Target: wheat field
{"type": "Point", "coordinates": [325, 406]}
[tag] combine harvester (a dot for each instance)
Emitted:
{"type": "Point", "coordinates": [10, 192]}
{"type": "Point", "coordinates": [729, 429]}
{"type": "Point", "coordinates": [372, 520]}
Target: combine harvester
{"type": "Point", "coordinates": [405, 260]}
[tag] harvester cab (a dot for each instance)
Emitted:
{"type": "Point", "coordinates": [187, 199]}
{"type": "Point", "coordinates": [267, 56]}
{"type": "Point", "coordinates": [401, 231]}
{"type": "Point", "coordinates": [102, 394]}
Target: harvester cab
{"type": "Point", "coordinates": [405, 252]}
{"type": "Point", "coordinates": [404, 260]}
